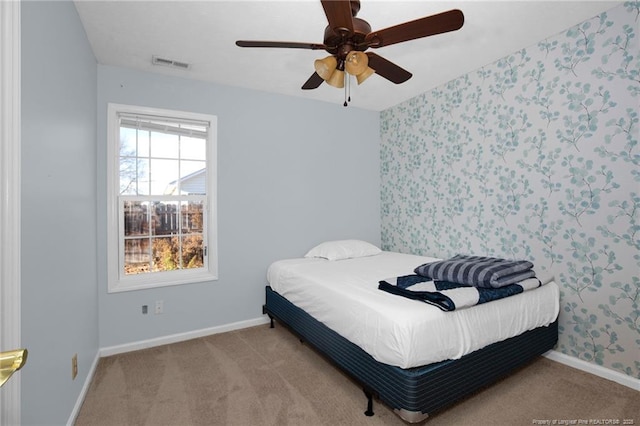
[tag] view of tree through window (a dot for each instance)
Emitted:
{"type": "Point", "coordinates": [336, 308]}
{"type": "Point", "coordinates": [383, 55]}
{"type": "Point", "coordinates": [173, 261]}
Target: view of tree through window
{"type": "Point", "coordinates": [163, 192]}
{"type": "Point", "coordinates": [162, 236]}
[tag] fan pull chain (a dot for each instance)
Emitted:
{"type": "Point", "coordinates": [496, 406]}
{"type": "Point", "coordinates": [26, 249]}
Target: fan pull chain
{"type": "Point", "coordinates": [346, 83]}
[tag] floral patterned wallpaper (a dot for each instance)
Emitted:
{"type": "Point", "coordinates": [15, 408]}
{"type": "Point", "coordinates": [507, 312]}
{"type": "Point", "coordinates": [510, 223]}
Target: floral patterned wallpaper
{"type": "Point", "coordinates": [534, 156]}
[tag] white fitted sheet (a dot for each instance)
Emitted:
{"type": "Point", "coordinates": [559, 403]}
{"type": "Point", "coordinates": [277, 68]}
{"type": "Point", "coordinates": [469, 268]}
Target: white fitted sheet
{"type": "Point", "coordinates": [394, 330]}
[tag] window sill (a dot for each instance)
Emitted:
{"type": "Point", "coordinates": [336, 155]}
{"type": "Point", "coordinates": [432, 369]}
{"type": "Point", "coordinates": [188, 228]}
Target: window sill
{"type": "Point", "coordinates": [148, 282]}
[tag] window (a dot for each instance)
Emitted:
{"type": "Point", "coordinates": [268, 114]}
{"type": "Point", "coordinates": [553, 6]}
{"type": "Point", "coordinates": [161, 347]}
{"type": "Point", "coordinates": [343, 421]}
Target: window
{"type": "Point", "coordinates": [161, 198]}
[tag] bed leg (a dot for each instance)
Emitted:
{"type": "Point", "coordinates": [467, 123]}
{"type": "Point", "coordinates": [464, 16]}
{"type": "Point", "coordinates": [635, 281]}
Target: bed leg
{"type": "Point", "coordinates": [369, 396]}
{"type": "Point", "coordinates": [264, 311]}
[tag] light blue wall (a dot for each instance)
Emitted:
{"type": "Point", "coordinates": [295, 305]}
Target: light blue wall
{"type": "Point", "coordinates": [534, 156]}
{"type": "Point", "coordinates": [291, 173]}
{"type": "Point", "coordinates": [59, 280]}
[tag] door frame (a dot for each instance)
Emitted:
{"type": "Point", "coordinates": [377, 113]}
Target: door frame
{"type": "Point", "coordinates": [10, 133]}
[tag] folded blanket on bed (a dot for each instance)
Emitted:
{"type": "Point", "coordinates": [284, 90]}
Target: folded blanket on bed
{"type": "Point", "coordinates": [478, 271]}
{"type": "Point", "coordinates": [450, 296]}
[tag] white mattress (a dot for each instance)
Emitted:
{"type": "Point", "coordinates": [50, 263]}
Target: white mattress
{"type": "Point", "coordinates": [394, 330]}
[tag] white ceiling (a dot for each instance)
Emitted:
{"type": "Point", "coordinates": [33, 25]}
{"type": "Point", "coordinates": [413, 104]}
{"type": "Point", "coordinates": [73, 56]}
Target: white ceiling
{"type": "Point", "coordinates": [203, 34]}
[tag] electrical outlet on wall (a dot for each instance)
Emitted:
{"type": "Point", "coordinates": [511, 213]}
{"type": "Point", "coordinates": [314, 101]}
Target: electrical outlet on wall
{"type": "Point", "coordinates": [159, 307]}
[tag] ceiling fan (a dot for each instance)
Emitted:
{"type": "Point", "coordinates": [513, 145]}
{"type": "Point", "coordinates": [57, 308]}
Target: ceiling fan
{"type": "Point", "coordinates": [347, 38]}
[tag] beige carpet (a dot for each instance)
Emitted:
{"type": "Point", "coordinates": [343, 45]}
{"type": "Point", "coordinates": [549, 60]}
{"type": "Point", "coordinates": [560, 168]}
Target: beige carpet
{"type": "Point", "coordinates": [263, 376]}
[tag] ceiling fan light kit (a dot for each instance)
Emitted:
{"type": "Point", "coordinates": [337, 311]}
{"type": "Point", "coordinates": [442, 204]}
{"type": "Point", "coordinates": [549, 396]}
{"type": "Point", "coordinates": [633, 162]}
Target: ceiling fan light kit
{"type": "Point", "coordinates": [347, 38]}
{"type": "Point", "coordinates": [336, 79]}
{"type": "Point", "coordinates": [325, 67]}
{"type": "Point", "coordinates": [356, 63]}
{"type": "Point", "coordinates": [365, 75]}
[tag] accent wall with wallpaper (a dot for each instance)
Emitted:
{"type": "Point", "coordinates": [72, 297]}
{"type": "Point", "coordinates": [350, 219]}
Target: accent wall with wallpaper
{"type": "Point", "coordinates": [534, 156]}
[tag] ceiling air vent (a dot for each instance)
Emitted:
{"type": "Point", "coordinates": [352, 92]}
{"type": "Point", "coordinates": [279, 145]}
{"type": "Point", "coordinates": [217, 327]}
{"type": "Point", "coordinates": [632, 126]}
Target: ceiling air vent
{"type": "Point", "coordinates": [156, 60]}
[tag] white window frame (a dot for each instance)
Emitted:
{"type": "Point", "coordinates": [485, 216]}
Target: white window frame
{"type": "Point", "coordinates": [116, 278]}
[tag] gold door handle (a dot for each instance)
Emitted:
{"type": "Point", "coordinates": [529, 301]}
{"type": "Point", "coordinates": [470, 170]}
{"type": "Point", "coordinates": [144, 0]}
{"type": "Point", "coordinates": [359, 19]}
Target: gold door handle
{"type": "Point", "coordinates": [10, 362]}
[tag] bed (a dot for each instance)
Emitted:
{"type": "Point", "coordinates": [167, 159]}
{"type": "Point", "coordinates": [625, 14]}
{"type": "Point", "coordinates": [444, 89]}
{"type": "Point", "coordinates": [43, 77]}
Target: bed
{"type": "Point", "coordinates": [412, 356]}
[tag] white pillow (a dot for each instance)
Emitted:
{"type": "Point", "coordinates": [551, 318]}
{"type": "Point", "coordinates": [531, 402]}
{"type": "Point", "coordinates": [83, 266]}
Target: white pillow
{"type": "Point", "coordinates": [343, 249]}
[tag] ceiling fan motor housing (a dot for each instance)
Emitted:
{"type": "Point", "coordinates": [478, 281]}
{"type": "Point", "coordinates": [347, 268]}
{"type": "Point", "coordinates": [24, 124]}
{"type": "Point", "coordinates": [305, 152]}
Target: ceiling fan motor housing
{"type": "Point", "coordinates": [343, 41]}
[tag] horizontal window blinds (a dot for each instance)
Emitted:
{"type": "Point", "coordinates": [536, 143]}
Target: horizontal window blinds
{"type": "Point", "coordinates": [181, 127]}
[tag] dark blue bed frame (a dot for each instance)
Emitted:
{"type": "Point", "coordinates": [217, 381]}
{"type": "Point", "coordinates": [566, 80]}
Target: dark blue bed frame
{"type": "Point", "coordinates": [413, 393]}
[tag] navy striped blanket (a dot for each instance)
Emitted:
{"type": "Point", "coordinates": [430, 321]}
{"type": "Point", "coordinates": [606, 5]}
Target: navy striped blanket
{"type": "Point", "coordinates": [478, 271]}
{"type": "Point", "coordinates": [450, 296]}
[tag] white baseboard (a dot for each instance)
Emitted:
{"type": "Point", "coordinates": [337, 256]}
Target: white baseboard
{"type": "Point", "coordinates": [83, 391]}
{"type": "Point", "coordinates": [594, 369]}
{"type": "Point", "coordinates": [181, 337]}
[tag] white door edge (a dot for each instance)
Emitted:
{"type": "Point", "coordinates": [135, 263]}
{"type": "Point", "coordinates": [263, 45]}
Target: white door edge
{"type": "Point", "coordinates": [10, 68]}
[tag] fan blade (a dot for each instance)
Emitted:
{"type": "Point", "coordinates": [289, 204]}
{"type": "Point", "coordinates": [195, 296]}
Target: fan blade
{"type": "Point", "coordinates": [280, 44]}
{"type": "Point", "coordinates": [431, 25]}
{"type": "Point", "coordinates": [313, 83]}
{"type": "Point", "coordinates": [339, 15]}
{"type": "Point", "coordinates": [387, 69]}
